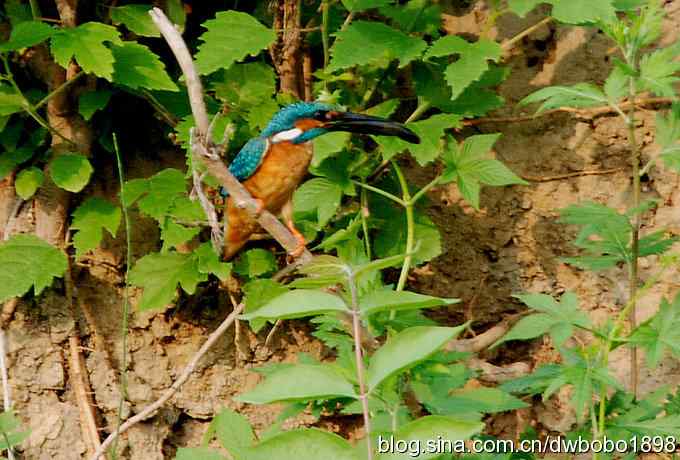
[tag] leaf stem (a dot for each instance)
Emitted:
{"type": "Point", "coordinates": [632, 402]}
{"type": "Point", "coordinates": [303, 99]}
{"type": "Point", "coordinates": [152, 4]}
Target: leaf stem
{"type": "Point", "coordinates": [365, 213]}
{"type": "Point", "coordinates": [324, 32]}
{"type": "Point", "coordinates": [358, 356]}
{"type": "Point", "coordinates": [410, 231]}
{"type": "Point", "coordinates": [387, 195]}
{"type": "Point", "coordinates": [126, 293]}
{"type": "Point", "coordinates": [60, 89]}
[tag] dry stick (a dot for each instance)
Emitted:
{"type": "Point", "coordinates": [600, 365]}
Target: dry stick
{"type": "Point", "coordinates": [83, 393]}
{"type": "Point", "coordinates": [149, 410]}
{"type": "Point", "coordinates": [214, 165]}
{"type": "Point", "coordinates": [506, 45]}
{"type": "Point", "coordinates": [585, 172]}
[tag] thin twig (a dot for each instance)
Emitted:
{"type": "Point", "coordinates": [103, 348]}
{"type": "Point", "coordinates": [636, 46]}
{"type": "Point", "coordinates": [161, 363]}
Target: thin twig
{"type": "Point", "coordinates": [6, 396]}
{"type": "Point", "coordinates": [508, 44]}
{"type": "Point", "coordinates": [213, 163]}
{"type": "Point", "coordinates": [83, 394]}
{"type": "Point", "coordinates": [149, 410]}
{"type": "Point", "coordinates": [60, 89]}
{"type": "Point", "coordinates": [585, 172]}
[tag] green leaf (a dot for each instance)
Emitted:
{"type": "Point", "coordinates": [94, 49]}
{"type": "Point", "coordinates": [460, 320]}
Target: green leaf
{"type": "Point", "coordinates": [89, 103]}
{"type": "Point", "coordinates": [407, 349]}
{"type": "Point", "coordinates": [87, 44]}
{"type": "Point", "coordinates": [233, 430]}
{"type": "Point", "coordinates": [255, 262]}
{"type": "Point", "coordinates": [328, 145]}
{"type": "Point", "coordinates": [386, 300]}
{"type": "Point", "coordinates": [259, 292]}
{"type": "Point", "coordinates": [422, 16]}
{"type": "Point", "coordinates": [361, 5]}
{"type": "Point", "coordinates": [616, 86]}
{"type": "Point", "coordinates": [662, 426]}
{"type": "Point", "coordinates": [160, 273]}
{"type": "Point", "coordinates": [320, 382]}
{"type": "Point", "coordinates": [366, 42]}
{"type": "Point", "coordinates": [492, 172]}
{"type": "Point", "coordinates": [27, 262]}
{"type": "Point", "coordinates": [660, 333]}
{"type": "Point", "coordinates": [430, 132]}
{"type": "Point", "coordinates": [17, 12]}
{"type": "Point", "coordinates": [137, 67]}
{"type": "Point", "coordinates": [25, 34]}
{"type": "Point", "coordinates": [10, 101]}
{"type": "Point", "coordinates": [318, 195]}
{"type": "Point", "coordinates": [198, 453]}
{"type": "Point", "coordinates": [28, 181]}
{"type": "Point", "coordinates": [71, 171]}
{"type": "Point", "coordinates": [136, 18]}
{"type": "Point", "coordinates": [579, 95]}
{"type": "Point", "coordinates": [471, 64]}
{"type": "Point", "coordinates": [308, 444]}
{"type": "Point", "coordinates": [483, 400]}
{"type": "Point", "coordinates": [245, 84]}
{"type": "Point", "coordinates": [156, 194]}
{"type": "Point", "coordinates": [91, 217]}
{"type": "Point", "coordinates": [582, 11]}
{"type": "Point", "coordinates": [433, 427]}
{"type": "Point", "coordinates": [9, 423]}
{"type": "Point", "coordinates": [209, 262]}
{"type": "Point", "coordinates": [13, 158]}
{"type": "Point", "coordinates": [522, 7]}
{"type": "Point", "coordinates": [658, 69]}
{"type": "Point", "coordinates": [392, 236]}
{"type": "Point", "coordinates": [529, 327]}
{"type": "Point", "coordinates": [299, 303]}
{"type": "Point", "coordinates": [230, 37]}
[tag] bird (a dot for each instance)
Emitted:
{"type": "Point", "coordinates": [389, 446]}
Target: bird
{"type": "Point", "coordinates": [273, 164]}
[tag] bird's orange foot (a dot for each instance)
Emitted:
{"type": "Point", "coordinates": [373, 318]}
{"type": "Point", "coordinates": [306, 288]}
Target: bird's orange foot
{"type": "Point", "coordinates": [302, 243]}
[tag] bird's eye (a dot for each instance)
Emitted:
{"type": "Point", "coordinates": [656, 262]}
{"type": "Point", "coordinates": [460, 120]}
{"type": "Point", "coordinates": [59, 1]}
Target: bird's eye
{"type": "Point", "coordinates": [321, 115]}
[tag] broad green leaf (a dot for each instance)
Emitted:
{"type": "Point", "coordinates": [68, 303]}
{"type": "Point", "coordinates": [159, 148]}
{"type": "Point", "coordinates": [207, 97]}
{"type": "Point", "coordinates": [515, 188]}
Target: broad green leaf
{"type": "Point", "coordinates": [662, 426]}
{"type": "Point", "coordinates": [385, 300]}
{"type": "Point", "coordinates": [668, 136]}
{"type": "Point", "coordinates": [17, 12]}
{"type": "Point", "coordinates": [373, 43]}
{"type": "Point", "coordinates": [198, 453]}
{"type": "Point", "coordinates": [328, 145]}
{"type": "Point", "coordinates": [89, 103]}
{"type": "Point", "coordinates": [616, 85]}
{"type": "Point", "coordinates": [160, 273]}
{"type": "Point", "coordinates": [245, 84]}
{"type": "Point", "coordinates": [70, 171]}
{"type": "Point", "coordinates": [259, 292]}
{"type": "Point", "coordinates": [91, 217]}
{"type": "Point", "coordinates": [658, 70]}
{"type": "Point", "coordinates": [433, 427]}
{"type": "Point", "coordinates": [27, 262]}
{"type": "Point", "coordinates": [230, 37]}
{"type": "Point", "coordinates": [579, 95]}
{"type": "Point", "coordinates": [27, 182]}
{"type": "Point", "coordinates": [407, 349]}
{"type": "Point", "coordinates": [360, 5]}
{"type": "Point", "coordinates": [392, 235]}
{"type": "Point", "coordinates": [320, 382]}
{"type": "Point", "coordinates": [522, 7]}
{"type": "Point", "coordinates": [13, 158]}
{"type": "Point", "coordinates": [430, 131]}
{"type": "Point", "coordinates": [255, 262]}
{"type": "Point", "coordinates": [137, 67]}
{"type": "Point", "coordinates": [492, 172]}
{"type": "Point", "coordinates": [176, 13]}
{"type": "Point", "coordinates": [25, 34]}
{"type": "Point", "coordinates": [529, 327]}
{"type": "Point", "coordinates": [209, 262]}
{"type": "Point", "coordinates": [9, 437]}
{"type": "Point", "coordinates": [582, 11]}
{"type": "Point", "coordinates": [660, 333]}
{"type": "Point", "coordinates": [233, 430]}
{"type": "Point", "coordinates": [157, 194]}
{"type": "Point", "coordinates": [421, 16]}
{"type": "Point", "coordinates": [87, 44]}
{"type": "Point", "coordinates": [484, 400]}
{"type": "Point", "coordinates": [318, 195]}
{"type": "Point", "coordinates": [136, 18]}
{"type": "Point", "coordinates": [174, 234]}
{"type": "Point", "coordinates": [471, 64]}
{"type": "Point", "coordinates": [307, 444]}
{"type": "Point", "coordinates": [297, 304]}
{"type": "Point", "coordinates": [534, 383]}
{"type": "Point", "coordinates": [10, 101]}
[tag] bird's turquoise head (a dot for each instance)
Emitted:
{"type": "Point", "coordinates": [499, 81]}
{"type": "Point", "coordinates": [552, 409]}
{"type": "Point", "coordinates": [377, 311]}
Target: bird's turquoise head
{"type": "Point", "coordinates": [303, 121]}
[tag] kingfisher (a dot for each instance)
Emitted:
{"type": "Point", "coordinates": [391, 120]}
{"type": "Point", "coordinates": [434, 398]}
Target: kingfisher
{"type": "Point", "coordinates": [272, 165]}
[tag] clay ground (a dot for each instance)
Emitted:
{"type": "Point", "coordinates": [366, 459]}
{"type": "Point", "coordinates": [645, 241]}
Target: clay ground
{"type": "Point", "coordinates": [513, 244]}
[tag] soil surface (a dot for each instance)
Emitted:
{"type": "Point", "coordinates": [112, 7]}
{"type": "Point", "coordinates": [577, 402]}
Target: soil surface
{"type": "Point", "coordinates": [512, 245]}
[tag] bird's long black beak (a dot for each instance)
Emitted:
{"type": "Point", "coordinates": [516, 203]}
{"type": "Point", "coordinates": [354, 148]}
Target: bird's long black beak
{"type": "Point", "coordinates": [366, 124]}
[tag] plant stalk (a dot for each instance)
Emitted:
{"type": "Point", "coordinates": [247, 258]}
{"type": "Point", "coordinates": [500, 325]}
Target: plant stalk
{"type": "Point", "coordinates": [358, 356]}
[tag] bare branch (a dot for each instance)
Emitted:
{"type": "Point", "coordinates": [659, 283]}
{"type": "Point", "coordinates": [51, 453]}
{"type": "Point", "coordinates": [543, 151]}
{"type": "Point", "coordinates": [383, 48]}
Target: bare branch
{"type": "Point", "coordinates": [149, 410]}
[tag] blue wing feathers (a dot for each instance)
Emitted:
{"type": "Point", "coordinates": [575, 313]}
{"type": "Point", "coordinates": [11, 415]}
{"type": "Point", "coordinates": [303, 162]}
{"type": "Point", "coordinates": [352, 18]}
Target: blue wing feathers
{"type": "Point", "coordinates": [249, 158]}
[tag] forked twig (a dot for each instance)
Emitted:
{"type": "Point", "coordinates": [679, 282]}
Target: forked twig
{"type": "Point", "coordinates": [149, 410]}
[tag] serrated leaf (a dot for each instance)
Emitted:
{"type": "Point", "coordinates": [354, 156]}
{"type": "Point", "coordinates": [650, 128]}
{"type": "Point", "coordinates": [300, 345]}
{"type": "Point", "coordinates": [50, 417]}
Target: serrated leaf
{"type": "Point", "coordinates": [25, 34]}
{"type": "Point", "coordinates": [660, 333]}
{"type": "Point", "coordinates": [157, 194]}
{"type": "Point", "coordinates": [174, 234]}
{"type": "Point", "coordinates": [579, 95]}
{"type": "Point", "coordinates": [522, 7]}
{"type": "Point", "coordinates": [471, 64]}
{"type": "Point", "coordinates": [361, 5]}
{"type": "Point", "coordinates": [90, 218]}
{"type": "Point", "coordinates": [392, 236]}
{"type": "Point", "coordinates": [432, 427]}
{"type": "Point", "coordinates": [209, 262]}
{"type": "Point", "coordinates": [230, 37]}
{"type": "Point", "coordinates": [198, 453]}
{"type": "Point", "coordinates": [430, 132]}
{"type": "Point", "coordinates": [308, 444]}
{"type": "Point", "coordinates": [668, 426]}
{"type": "Point", "coordinates": [420, 16]}
{"type": "Point", "coordinates": [28, 262]}
{"type": "Point", "coordinates": [406, 349]}
{"type": "Point", "coordinates": [385, 300]}
{"type": "Point", "coordinates": [259, 292]}
{"type": "Point", "coordinates": [160, 273]}
{"type": "Point", "coordinates": [255, 262]}
{"type": "Point", "coordinates": [298, 304]}
{"type": "Point", "coordinates": [245, 84]}
{"type": "Point", "coordinates": [616, 85]}
{"type": "Point", "coordinates": [136, 18]}
{"type": "Point", "coordinates": [137, 67]}
{"type": "Point", "coordinates": [233, 430]}
{"type": "Point", "coordinates": [582, 11]}
{"type": "Point", "coordinates": [10, 101]}
{"type": "Point", "coordinates": [89, 103]}
{"type": "Point", "coordinates": [27, 182]}
{"type": "Point", "coordinates": [17, 12]}
{"type": "Point", "coordinates": [87, 44]}
{"type": "Point", "coordinates": [373, 43]}
{"type": "Point", "coordinates": [320, 382]}
{"type": "Point", "coordinates": [658, 70]}
{"type": "Point", "coordinates": [70, 171]}
{"type": "Point", "coordinates": [492, 172]}
{"type": "Point", "coordinates": [483, 400]}
{"type": "Point", "coordinates": [328, 145]}
{"type": "Point", "coordinates": [529, 327]}
{"type": "Point", "coordinates": [318, 195]}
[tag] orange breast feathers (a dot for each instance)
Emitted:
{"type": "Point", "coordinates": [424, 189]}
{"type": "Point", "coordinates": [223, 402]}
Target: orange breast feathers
{"type": "Point", "coordinates": [280, 173]}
